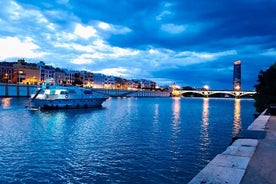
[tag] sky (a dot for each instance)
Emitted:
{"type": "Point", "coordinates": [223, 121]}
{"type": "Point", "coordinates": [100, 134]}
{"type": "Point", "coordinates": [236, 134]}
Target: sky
{"type": "Point", "coordinates": [190, 43]}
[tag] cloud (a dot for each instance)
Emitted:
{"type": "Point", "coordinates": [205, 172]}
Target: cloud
{"type": "Point", "coordinates": [163, 14]}
{"type": "Point", "coordinates": [172, 28]}
{"type": "Point", "coordinates": [12, 47]}
{"type": "Point", "coordinates": [85, 31]}
{"type": "Point", "coordinates": [84, 59]}
{"type": "Point", "coordinates": [148, 39]}
{"type": "Point", "coordinates": [204, 56]}
{"type": "Point", "coordinates": [113, 29]}
{"type": "Point", "coordinates": [270, 52]}
{"type": "Point", "coordinates": [104, 25]}
{"type": "Point", "coordinates": [119, 71]}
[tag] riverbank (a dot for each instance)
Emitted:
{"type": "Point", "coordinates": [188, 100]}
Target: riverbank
{"type": "Point", "coordinates": [24, 90]}
{"type": "Point", "coordinates": [249, 159]}
{"type": "Point", "coordinates": [261, 168]}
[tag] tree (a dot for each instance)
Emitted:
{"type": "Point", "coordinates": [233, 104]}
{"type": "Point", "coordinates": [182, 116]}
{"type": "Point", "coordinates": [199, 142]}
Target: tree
{"type": "Point", "coordinates": [187, 88]}
{"type": "Point", "coordinates": [265, 89]}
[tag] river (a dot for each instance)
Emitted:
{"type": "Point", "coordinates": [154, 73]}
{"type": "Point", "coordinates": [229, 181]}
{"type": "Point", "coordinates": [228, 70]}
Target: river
{"type": "Point", "coordinates": [128, 140]}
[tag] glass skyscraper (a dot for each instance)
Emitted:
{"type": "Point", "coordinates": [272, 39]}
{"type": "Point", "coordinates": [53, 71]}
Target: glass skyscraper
{"type": "Point", "coordinates": [237, 76]}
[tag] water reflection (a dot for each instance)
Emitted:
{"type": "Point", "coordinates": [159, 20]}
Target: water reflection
{"type": "Point", "coordinates": [237, 116]}
{"type": "Point", "coordinates": [6, 102]}
{"type": "Point", "coordinates": [156, 121]}
{"type": "Point", "coordinates": [116, 144]}
{"type": "Point", "coordinates": [176, 117]}
{"type": "Point", "coordinates": [205, 112]}
{"type": "Point", "coordinates": [176, 111]}
{"type": "Point", "coordinates": [204, 125]}
{"type": "Point", "coordinates": [156, 113]}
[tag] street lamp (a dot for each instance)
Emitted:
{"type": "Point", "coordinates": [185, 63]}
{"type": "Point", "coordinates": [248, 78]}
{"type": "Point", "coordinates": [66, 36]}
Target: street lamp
{"type": "Point", "coordinates": [20, 72]}
{"type": "Point", "coordinates": [7, 77]}
{"type": "Point", "coordinates": [33, 80]}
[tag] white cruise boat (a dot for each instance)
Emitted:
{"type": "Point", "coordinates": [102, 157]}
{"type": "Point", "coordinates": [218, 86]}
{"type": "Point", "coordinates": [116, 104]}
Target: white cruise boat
{"type": "Point", "coordinates": [50, 96]}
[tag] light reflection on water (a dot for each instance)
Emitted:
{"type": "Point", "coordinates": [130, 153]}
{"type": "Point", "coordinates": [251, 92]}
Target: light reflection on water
{"type": "Point", "coordinates": [176, 113]}
{"type": "Point", "coordinates": [5, 103]}
{"type": "Point", "coordinates": [237, 116]}
{"type": "Point", "coordinates": [129, 140]}
{"type": "Point", "coordinates": [205, 123]}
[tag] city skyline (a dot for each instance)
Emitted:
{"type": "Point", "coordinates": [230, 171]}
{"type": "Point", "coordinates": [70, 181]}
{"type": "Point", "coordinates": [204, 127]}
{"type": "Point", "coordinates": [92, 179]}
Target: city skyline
{"type": "Point", "coordinates": [183, 42]}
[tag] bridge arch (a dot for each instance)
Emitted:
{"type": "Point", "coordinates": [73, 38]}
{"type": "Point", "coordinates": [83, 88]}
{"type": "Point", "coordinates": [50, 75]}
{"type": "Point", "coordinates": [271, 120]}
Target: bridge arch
{"type": "Point", "coordinates": [223, 93]}
{"type": "Point", "coordinates": [207, 93]}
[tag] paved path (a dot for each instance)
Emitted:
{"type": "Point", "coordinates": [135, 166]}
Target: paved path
{"type": "Point", "coordinates": [262, 166]}
{"type": "Point", "coordinates": [251, 158]}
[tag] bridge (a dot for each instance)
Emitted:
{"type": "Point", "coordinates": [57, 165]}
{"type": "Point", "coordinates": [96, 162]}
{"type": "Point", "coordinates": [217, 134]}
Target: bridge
{"type": "Point", "coordinates": [207, 93]}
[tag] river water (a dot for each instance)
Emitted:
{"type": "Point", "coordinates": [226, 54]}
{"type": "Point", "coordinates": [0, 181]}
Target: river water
{"type": "Point", "coordinates": [128, 140]}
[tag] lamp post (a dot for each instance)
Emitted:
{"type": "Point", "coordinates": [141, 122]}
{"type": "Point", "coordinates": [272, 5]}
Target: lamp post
{"type": "Point", "coordinates": [7, 77]}
{"type": "Point", "coordinates": [7, 87]}
{"type": "Point", "coordinates": [20, 72]}
{"type": "Point", "coordinates": [33, 80]}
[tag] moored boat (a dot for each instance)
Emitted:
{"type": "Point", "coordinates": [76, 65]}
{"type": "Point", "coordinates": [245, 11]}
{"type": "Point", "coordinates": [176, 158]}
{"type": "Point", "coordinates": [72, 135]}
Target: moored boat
{"type": "Point", "coordinates": [50, 96]}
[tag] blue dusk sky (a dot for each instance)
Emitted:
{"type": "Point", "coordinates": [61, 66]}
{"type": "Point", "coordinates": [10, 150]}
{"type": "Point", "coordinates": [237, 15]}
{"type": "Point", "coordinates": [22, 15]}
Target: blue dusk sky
{"type": "Point", "coordinates": [191, 43]}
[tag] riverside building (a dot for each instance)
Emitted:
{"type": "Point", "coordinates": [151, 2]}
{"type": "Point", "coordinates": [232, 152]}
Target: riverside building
{"type": "Point", "coordinates": [21, 72]}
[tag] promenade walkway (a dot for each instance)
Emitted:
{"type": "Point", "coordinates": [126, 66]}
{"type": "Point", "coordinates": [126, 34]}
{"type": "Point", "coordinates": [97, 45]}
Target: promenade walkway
{"type": "Point", "coordinates": [262, 166]}
{"type": "Point", "coordinates": [250, 159]}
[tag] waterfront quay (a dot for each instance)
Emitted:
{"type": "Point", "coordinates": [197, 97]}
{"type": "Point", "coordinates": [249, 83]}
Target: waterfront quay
{"type": "Point", "coordinates": [249, 159]}
{"type": "Point", "coordinates": [16, 90]}
{"type": "Point", "coordinates": [25, 90]}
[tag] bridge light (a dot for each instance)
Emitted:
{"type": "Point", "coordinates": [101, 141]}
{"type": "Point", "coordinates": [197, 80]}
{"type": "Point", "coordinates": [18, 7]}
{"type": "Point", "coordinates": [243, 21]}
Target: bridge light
{"type": "Point", "coordinates": [175, 87]}
{"type": "Point", "coordinates": [237, 88]}
{"type": "Point", "coordinates": [206, 87]}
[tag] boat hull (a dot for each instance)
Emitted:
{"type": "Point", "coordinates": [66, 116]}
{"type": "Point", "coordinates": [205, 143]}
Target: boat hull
{"type": "Point", "coordinates": [66, 103]}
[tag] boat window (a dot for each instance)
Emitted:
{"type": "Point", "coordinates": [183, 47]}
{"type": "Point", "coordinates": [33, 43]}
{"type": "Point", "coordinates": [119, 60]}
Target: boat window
{"type": "Point", "coordinates": [41, 91]}
{"type": "Point", "coordinates": [52, 92]}
{"type": "Point", "coordinates": [87, 92]}
{"type": "Point", "coordinates": [72, 91]}
{"type": "Point", "coordinates": [63, 92]}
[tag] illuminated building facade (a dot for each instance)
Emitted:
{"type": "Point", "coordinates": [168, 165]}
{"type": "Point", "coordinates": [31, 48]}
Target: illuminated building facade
{"type": "Point", "coordinates": [25, 73]}
{"type": "Point", "coordinates": [6, 71]}
{"type": "Point", "coordinates": [237, 76]}
{"type": "Point", "coordinates": [21, 72]}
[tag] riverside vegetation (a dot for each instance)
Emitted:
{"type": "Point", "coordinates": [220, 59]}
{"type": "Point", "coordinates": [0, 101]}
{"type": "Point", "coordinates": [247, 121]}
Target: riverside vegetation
{"type": "Point", "coordinates": [265, 89]}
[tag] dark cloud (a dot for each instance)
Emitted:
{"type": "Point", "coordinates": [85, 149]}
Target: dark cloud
{"type": "Point", "coordinates": [212, 24]}
{"type": "Point", "coordinates": [121, 12]}
{"type": "Point", "coordinates": [187, 42]}
{"type": "Point", "coordinates": [212, 74]}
